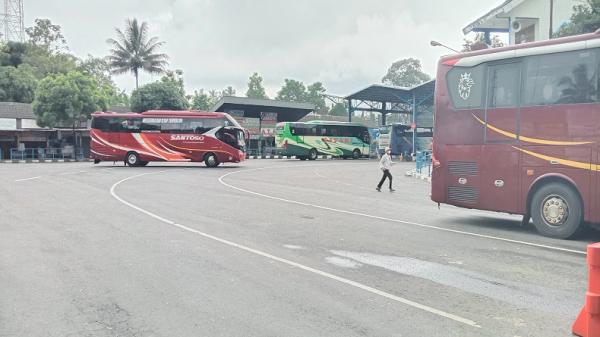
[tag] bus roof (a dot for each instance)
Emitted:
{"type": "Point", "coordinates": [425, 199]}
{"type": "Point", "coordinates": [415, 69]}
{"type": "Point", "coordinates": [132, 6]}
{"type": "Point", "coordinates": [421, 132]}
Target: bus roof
{"type": "Point", "coordinates": [320, 122]}
{"type": "Point", "coordinates": [161, 113]}
{"type": "Point", "coordinates": [578, 42]}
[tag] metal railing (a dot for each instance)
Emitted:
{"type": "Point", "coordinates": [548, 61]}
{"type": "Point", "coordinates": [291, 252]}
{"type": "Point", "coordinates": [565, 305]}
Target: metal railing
{"type": "Point", "coordinates": [423, 161]}
{"type": "Point", "coordinates": [38, 153]}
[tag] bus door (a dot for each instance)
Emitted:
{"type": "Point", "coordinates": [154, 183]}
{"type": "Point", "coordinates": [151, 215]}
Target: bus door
{"type": "Point", "coordinates": [499, 183]}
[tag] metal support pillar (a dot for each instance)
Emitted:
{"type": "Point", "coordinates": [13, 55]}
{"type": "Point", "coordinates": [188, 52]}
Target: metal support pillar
{"type": "Point", "coordinates": [350, 110]}
{"type": "Point", "coordinates": [414, 119]}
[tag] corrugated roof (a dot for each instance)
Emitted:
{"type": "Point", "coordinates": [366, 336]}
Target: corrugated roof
{"type": "Point", "coordinates": [393, 94]}
{"type": "Point", "coordinates": [261, 102]}
{"type": "Point", "coordinates": [16, 110]}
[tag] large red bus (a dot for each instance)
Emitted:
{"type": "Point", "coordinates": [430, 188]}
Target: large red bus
{"type": "Point", "coordinates": [183, 136]}
{"type": "Point", "coordinates": [517, 130]}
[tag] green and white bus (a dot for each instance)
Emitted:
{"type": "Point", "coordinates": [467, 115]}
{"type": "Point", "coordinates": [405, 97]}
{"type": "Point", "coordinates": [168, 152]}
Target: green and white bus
{"type": "Point", "coordinates": [310, 139]}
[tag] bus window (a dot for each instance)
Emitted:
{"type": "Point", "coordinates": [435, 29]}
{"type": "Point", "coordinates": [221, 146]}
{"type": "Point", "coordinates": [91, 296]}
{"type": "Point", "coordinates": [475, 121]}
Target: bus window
{"type": "Point", "coordinates": [131, 125]}
{"type": "Point", "coordinates": [504, 83]}
{"type": "Point", "coordinates": [101, 124]}
{"type": "Point", "coordinates": [466, 86]}
{"type": "Point", "coordinates": [114, 124]}
{"type": "Point", "coordinates": [568, 77]}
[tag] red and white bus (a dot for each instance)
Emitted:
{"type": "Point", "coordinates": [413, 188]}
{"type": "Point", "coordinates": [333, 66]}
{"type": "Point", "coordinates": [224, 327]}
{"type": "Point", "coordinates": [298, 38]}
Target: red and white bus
{"type": "Point", "coordinates": [179, 136]}
{"type": "Point", "coordinates": [517, 130]}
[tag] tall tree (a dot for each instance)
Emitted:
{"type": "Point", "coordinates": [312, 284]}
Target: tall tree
{"type": "Point", "coordinates": [229, 91]}
{"type": "Point", "coordinates": [215, 96]}
{"type": "Point", "coordinates": [314, 95]}
{"type": "Point", "coordinates": [99, 69]}
{"type": "Point", "coordinates": [46, 35]}
{"type": "Point", "coordinates": [17, 84]}
{"type": "Point", "coordinates": [585, 19]}
{"type": "Point", "coordinates": [66, 100]}
{"type": "Point", "coordinates": [405, 73]}
{"type": "Point", "coordinates": [132, 50]}
{"type": "Point", "coordinates": [255, 87]}
{"type": "Point", "coordinates": [12, 53]}
{"type": "Point", "coordinates": [45, 63]}
{"type": "Point", "coordinates": [339, 109]}
{"type": "Point", "coordinates": [161, 95]}
{"type": "Point", "coordinates": [292, 91]}
{"type": "Point", "coordinates": [201, 101]}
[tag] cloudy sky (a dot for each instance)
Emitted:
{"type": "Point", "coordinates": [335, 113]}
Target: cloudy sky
{"type": "Point", "coordinates": [346, 44]}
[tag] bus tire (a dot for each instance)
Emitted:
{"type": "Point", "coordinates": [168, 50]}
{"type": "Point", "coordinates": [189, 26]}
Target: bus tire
{"type": "Point", "coordinates": [143, 163]}
{"type": "Point", "coordinates": [301, 157]}
{"type": "Point", "coordinates": [557, 211]}
{"type": "Point", "coordinates": [211, 160]}
{"type": "Point", "coordinates": [132, 159]}
{"type": "Point", "coordinates": [312, 154]}
{"type": "Point", "coordinates": [96, 161]}
{"type": "Point", "coordinates": [356, 154]}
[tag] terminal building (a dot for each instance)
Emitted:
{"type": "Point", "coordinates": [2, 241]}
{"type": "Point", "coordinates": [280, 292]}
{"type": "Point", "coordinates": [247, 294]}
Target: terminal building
{"type": "Point", "coordinates": [22, 138]}
{"type": "Point", "coordinates": [524, 20]}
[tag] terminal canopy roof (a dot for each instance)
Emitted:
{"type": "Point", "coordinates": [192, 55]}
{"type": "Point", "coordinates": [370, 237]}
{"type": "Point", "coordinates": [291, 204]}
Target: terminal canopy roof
{"type": "Point", "coordinates": [394, 94]}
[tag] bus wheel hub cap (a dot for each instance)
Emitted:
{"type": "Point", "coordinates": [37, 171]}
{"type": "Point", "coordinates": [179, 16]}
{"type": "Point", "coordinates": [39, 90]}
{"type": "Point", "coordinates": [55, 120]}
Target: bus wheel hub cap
{"type": "Point", "coordinates": [131, 159]}
{"type": "Point", "coordinates": [555, 210]}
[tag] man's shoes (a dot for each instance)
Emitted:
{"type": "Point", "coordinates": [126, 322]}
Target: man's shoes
{"type": "Point", "coordinates": [378, 189]}
{"type": "Point", "coordinates": [392, 190]}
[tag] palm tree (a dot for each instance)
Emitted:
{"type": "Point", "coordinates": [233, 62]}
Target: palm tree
{"type": "Point", "coordinates": [132, 51]}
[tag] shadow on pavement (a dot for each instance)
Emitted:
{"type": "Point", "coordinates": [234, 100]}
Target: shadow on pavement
{"type": "Point", "coordinates": [589, 235]}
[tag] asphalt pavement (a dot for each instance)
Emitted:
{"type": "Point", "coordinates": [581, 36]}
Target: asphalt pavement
{"type": "Point", "coordinates": [269, 248]}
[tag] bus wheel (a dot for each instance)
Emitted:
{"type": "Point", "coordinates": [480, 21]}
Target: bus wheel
{"type": "Point", "coordinates": [132, 159]}
{"type": "Point", "coordinates": [301, 157]}
{"type": "Point", "coordinates": [356, 154]}
{"type": "Point", "coordinates": [211, 160]}
{"type": "Point", "coordinates": [96, 161]}
{"type": "Point", "coordinates": [557, 211]}
{"type": "Point", "coordinates": [312, 154]}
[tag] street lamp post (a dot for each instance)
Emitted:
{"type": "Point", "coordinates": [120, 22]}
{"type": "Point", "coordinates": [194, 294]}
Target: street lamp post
{"type": "Point", "coordinates": [437, 44]}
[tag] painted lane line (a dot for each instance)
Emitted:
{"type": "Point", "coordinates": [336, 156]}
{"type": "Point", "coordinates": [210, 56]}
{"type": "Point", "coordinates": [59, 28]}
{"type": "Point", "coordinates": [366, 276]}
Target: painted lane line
{"type": "Point", "coordinates": [491, 237]}
{"type": "Point", "coordinates": [358, 285]}
{"type": "Point", "coordinates": [25, 179]}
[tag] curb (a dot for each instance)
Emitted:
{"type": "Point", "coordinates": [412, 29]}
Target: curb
{"type": "Point", "coordinates": [415, 174]}
{"type": "Point", "coordinates": [44, 161]}
{"type": "Point", "coordinates": [284, 157]}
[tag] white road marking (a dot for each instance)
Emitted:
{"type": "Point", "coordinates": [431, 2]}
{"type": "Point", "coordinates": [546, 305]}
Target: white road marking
{"type": "Point", "coordinates": [491, 237]}
{"type": "Point", "coordinates": [291, 263]}
{"type": "Point", "coordinates": [70, 173]}
{"type": "Point", "coordinates": [25, 179]}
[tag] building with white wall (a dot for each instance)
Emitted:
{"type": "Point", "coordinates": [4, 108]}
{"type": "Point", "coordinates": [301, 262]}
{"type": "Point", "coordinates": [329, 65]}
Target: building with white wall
{"type": "Point", "coordinates": [524, 20]}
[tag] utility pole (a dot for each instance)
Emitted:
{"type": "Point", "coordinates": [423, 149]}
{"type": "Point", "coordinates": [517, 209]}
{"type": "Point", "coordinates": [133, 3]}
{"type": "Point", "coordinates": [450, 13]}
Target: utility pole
{"type": "Point", "coordinates": [12, 21]}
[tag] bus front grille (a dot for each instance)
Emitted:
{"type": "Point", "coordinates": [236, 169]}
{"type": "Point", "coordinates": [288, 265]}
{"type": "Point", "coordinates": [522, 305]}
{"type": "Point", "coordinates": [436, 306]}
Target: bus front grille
{"type": "Point", "coordinates": [462, 168]}
{"type": "Point", "coordinates": [463, 194]}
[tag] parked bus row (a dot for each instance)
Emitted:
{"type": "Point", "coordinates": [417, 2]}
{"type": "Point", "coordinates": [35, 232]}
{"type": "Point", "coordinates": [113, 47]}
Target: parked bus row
{"type": "Point", "coordinates": [217, 138]}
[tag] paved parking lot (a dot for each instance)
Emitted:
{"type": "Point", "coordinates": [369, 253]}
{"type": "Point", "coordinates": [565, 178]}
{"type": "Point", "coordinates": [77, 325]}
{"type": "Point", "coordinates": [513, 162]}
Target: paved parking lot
{"type": "Point", "coordinates": [269, 248]}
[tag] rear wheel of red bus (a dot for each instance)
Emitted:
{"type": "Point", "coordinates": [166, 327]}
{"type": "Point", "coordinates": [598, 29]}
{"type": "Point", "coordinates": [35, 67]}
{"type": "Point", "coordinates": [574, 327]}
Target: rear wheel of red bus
{"type": "Point", "coordinates": [557, 211]}
{"type": "Point", "coordinates": [132, 159]}
{"type": "Point", "coordinates": [211, 160]}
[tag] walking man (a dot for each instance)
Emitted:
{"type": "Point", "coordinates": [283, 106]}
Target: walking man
{"type": "Point", "coordinates": [385, 164]}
